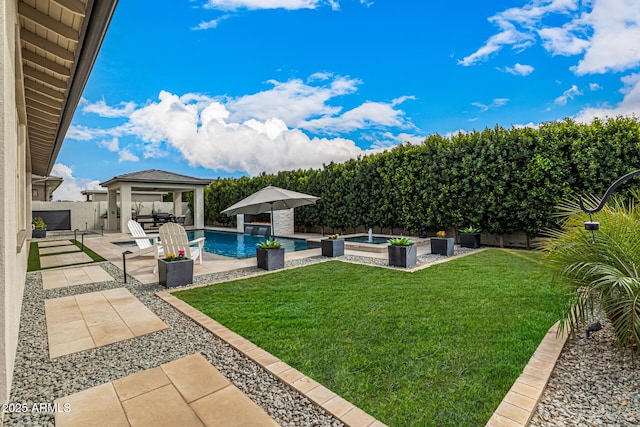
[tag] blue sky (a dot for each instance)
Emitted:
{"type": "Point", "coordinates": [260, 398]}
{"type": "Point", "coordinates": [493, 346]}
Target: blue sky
{"type": "Point", "coordinates": [213, 88]}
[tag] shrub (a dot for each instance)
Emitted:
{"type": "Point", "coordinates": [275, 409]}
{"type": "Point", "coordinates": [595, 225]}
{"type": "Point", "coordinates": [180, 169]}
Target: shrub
{"type": "Point", "coordinates": [470, 230]}
{"type": "Point", "coordinates": [602, 267]}
{"type": "Point", "coordinates": [400, 241]}
{"type": "Point", "coordinates": [38, 223]}
{"type": "Point", "coordinates": [269, 244]}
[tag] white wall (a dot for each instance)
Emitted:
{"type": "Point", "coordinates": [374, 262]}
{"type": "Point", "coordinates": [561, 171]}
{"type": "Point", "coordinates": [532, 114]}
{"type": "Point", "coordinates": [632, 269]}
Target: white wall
{"type": "Point", "coordinates": [88, 215]}
{"type": "Point", "coordinates": [15, 199]}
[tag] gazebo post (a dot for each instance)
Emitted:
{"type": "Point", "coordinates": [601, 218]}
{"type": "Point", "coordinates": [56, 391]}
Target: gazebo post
{"type": "Point", "coordinates": [198, 207]}
{"type": "Point", "coordinates": [177, 203]}
{"type": "Point", "coordinates": [125, 206]}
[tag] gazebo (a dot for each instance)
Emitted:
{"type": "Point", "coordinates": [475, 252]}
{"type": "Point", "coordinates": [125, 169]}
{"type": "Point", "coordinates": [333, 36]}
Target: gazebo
{"type": "Point", "coordinates": [153, 180]}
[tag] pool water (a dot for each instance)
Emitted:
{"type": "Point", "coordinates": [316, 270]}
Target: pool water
{"type": "Point", "coordinates": [238, 245]}
{"type": "Point", "coordinates": [365, 239]}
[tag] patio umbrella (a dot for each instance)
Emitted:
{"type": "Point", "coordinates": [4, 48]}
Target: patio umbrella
{"type": "Point", "coordinates": [271, 199]}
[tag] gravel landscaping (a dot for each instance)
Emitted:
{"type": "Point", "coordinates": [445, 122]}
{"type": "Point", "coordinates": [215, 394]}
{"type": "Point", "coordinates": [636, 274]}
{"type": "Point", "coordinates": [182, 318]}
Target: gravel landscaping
{"type": "Point", "coordinates": [38, 379]}
{"type": "Point", "coordinates": [591, 385]}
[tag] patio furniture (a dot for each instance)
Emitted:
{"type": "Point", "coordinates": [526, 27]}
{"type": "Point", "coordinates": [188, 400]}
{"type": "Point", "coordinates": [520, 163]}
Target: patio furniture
{"type": "Point", "coordinates": [143, 240]}
{"type": "Point", "coordinates": [144, 219]}
{"type": "Point", "coordinates": [163, 218]}
{"type": "Point", "coordinates": [173, 238]}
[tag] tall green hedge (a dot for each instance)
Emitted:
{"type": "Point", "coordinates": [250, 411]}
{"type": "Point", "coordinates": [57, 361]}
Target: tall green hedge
{"type": "Point", "coordinates": [501, 180]}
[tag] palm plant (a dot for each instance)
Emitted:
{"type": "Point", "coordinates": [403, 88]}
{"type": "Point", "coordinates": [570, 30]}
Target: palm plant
{"type": "Point", "coordinates": [603, 267]}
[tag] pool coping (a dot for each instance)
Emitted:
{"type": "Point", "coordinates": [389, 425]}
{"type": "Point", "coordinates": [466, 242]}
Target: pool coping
{"type": "Point", "coordinates": [340, 408]}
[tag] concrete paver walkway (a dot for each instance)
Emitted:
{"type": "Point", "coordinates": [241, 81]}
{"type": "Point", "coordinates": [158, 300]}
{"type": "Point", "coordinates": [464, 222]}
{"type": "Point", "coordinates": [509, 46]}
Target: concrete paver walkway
{"type": "Point", "coordinates": [50, 243]}
{"type": "Point", "coordinates": [58, 249]}
{"type": "Point", "coordinates": [53, 279]}
{"type": "Point", "coordinates": [186, 392]}
{"type": "Point", "coordinates": [64, 259]}
{"type": "Point", "coordinates": [86, 321]}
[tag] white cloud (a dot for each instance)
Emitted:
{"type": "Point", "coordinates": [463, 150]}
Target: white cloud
{"type": "Point", "coordinates": [293, 101]}
{"type": "Point", "coordinates": [124, 155]}
{"type": "Point", "coordinates": [564, 40]}
{"type": "Point", "coordinates": [614, 45]}
{"type": "Point", "coordinates": [369, 114]}
{"type": "Point", "coordinates": [516, 27]}
{"type": "Point", "coordinates": [81, 133]}
{"type": "Point", "coordinates": [212, 23]}
{"type": "Point", "coordinates": [594, 87]}
{"type": "Point", "coordinates": [630, 104]}
{"type": "Point", "coordinates": [71, 186]}
{"type": "Point", "coordinates": [262, 131]}
{"type": "Point", "coordinates": [111, 145]}
{"type": "Point", "coordinates": [605, 32]}
{"type": "Point", "coordinates": [269, 4]}
{"type": "Point", "coordinates": [629, 82]}
{"type": "Point", "coordinates": [570, 93]}
{"type": "Point", "coordinates": [519, 70]}
{"type": "Point", "coordinates": [127, 156]}
{"type": "Point", "coordinates": [102, 109]}
{"type": "Point", "coordinates": [508, 36]}
{"type": "Point", "coordinates": [204, 137]}
{"type": "Point", "coordinates": [496, 103]}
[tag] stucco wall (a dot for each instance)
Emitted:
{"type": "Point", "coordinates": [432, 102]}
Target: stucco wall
{"type": "Point", "coordinates": [13, 260]}
{"type": "Point", "coordinates": [88, 215]}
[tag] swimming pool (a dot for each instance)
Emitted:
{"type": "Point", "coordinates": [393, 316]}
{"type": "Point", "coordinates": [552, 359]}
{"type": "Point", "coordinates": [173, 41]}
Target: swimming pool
{"type": "Point", "coordinates": [238, 245]}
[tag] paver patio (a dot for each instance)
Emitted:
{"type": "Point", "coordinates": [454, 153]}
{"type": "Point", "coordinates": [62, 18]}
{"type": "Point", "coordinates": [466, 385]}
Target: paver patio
{"type": "Point", "coordinates": [53, 243]}
{"type": "Point", "coordinates": [185, 392]}
{"type": "Point", "coordinates": [64, 259]}
{"type": "Point", "coordinates": [58, 249]}
{"type": "Point", "coordinates": [86, 321]}
{"type": "Point", "coordinates": [53, 279]}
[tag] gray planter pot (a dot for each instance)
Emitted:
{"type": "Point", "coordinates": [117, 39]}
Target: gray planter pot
{"type": "Point", "coordinates": [175, 273]}
{"type": "Point", "coordinates": [270, 259]}
{"type": "Point", "coordinates": [38, 234]}
{"type": "Point", "coordinates": [332, 248]}
{"type": "Point", "coordinates": [470, 240]}
{"type": "Point", "coordinates": [442, 246]}
{"type": "Point", "coordinates": [403, 256]}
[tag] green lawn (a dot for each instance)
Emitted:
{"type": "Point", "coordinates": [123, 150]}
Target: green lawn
{"type": "Point", "coordinates": [440, 346]}
{"type": "Point", "coordinates": [34, 255]}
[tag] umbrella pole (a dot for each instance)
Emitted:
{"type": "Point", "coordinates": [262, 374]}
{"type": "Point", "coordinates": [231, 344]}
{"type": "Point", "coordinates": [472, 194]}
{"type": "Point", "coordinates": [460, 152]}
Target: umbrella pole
{"type": "Point", "coordinates": [272, 225]}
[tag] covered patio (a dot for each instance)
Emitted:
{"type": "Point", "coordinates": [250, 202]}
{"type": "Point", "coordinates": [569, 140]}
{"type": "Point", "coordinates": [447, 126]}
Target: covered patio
{"type": "Point", "coordinates": [156, 181]}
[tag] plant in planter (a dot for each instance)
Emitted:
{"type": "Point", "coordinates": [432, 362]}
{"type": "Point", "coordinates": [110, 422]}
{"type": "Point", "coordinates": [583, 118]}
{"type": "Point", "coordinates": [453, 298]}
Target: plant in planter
{"type": "Point", "coordinates": [270, 254]}
{"type": "Point", "coordinates": [442, 245]}
{"type": "Point", "coordinates": [470, 237]}
{"type": "Point", "coordinates": [39, 228]}
{"type": "Point", "coordinates": [175, 270]}
{"type": "Point", "coordinates": [332, 246]}
{"type": "Point", "coordinates": [403, 252]}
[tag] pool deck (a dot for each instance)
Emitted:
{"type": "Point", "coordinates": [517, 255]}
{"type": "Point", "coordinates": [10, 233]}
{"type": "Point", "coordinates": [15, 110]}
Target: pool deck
{"type": "Point", "coordinates": [141, 268]}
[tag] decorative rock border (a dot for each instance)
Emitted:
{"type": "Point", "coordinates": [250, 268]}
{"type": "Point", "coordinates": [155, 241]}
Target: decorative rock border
{"type": "Point", "coordinates": [342, 409]}
{"type": "Point", "coordinates": [520, 403]}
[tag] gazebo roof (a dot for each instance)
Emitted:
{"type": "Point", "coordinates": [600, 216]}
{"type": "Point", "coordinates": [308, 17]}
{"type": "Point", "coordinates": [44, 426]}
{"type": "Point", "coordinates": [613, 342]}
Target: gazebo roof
{"type": "Point", "coordinates": [156, 177]}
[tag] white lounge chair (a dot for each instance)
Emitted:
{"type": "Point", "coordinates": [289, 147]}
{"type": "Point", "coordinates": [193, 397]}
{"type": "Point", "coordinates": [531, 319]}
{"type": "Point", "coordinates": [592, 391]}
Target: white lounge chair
{"type": "Point", "coordinates": [143, 240]}
{"type": "Point", "coordinates": [173, 239]}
